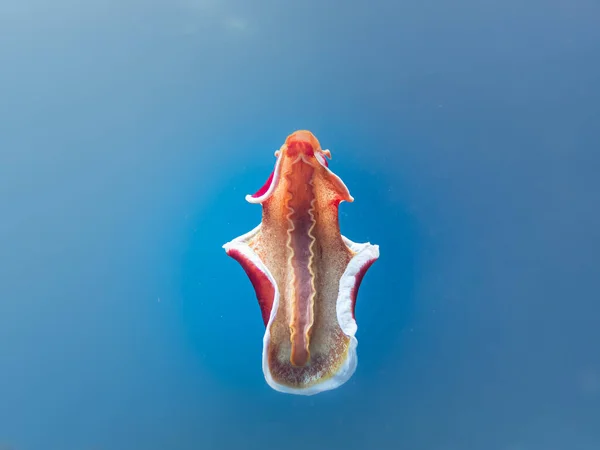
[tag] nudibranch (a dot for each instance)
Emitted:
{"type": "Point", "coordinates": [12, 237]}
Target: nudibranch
{"type": "Point", "coordinates": [305, 274]}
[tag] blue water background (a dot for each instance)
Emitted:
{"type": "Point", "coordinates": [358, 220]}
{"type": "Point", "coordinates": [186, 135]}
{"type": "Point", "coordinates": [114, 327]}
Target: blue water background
{"type": "Point", "coordinates": [468, 133]}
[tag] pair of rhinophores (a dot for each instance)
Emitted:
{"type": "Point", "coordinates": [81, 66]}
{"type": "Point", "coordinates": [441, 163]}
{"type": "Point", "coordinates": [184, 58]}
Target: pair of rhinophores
{"type": "Point", "coordinates": [305, 274]}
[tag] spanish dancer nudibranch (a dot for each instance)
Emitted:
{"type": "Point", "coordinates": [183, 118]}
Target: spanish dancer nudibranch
{"type": "Point", "coordinates": [306, 275]}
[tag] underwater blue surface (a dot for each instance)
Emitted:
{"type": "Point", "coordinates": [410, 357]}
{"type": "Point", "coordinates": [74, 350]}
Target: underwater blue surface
{"type": "Point", "coordinates": [468, 133]}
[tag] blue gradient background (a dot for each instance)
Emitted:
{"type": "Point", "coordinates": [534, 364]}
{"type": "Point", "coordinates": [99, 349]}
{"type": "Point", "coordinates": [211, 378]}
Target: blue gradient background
{"type": "Point", "coordinates": [467, 131]}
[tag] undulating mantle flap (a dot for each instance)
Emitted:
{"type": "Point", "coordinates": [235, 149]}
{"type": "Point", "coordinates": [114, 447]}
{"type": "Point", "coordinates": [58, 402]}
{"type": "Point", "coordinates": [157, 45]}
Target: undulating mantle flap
{"type": "Point", "coordinates": [305, 273]}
